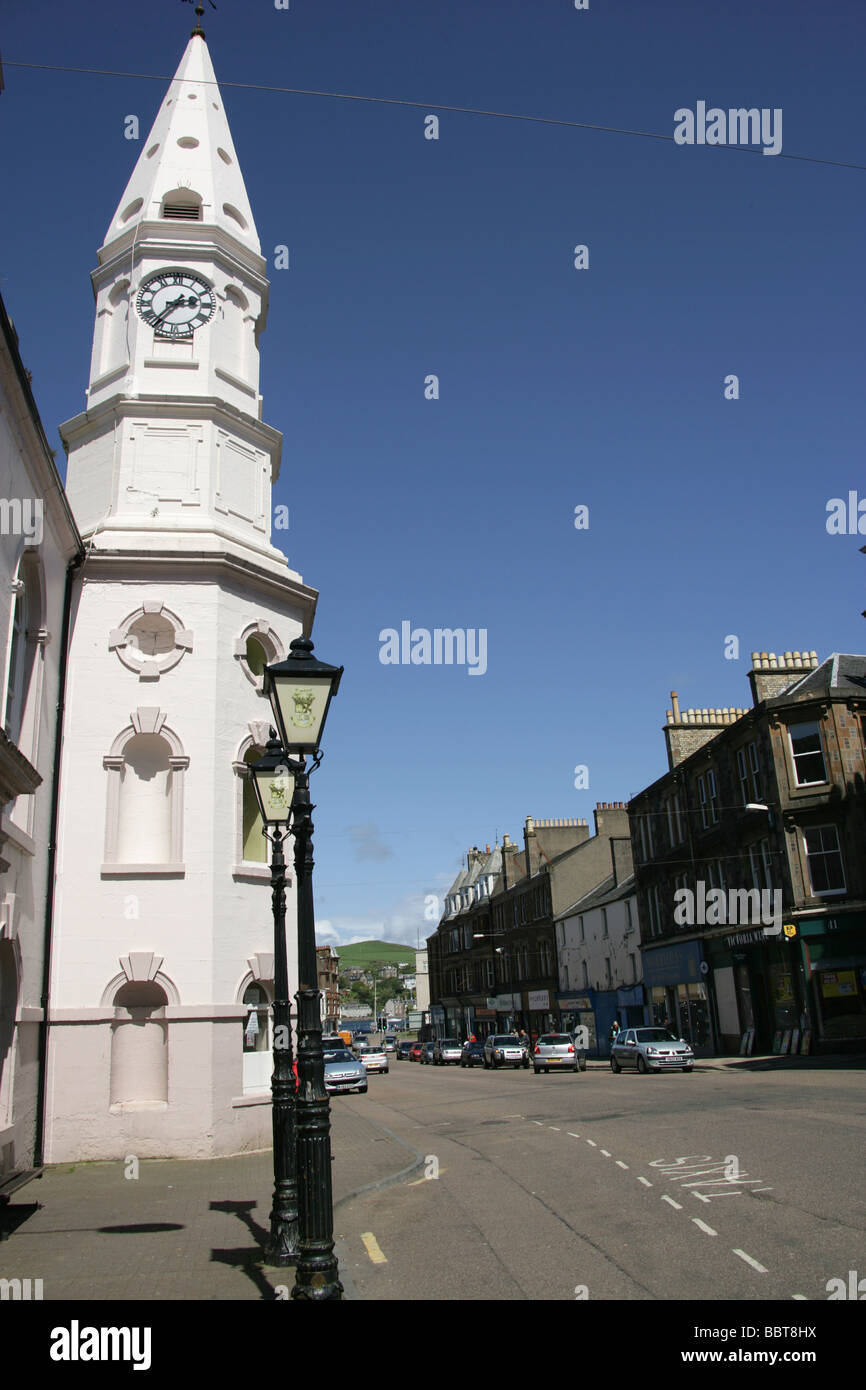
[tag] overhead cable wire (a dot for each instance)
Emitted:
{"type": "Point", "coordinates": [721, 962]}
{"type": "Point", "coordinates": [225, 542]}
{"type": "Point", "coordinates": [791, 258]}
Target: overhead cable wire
{"type": "Point", "coordinates": [433, 106]}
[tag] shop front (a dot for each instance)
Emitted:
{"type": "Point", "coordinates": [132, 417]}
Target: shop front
{"type": "Point", "coordinates": [536, 1015]}
{"type": "Point", "coordinates": [485, 1020]}
{"type": "Point", "coordinates": [506, 1008]}
{"type": "Point", "coordinates": [834, 966]}
{"type": "Point", "coordinates": [579, 1011]}
{"type": "Point", "coordinates": [631, 1007]}
{"type": "Point", "coordinates": [675, 979]}
{"type": "Point", "coordinates": [759, 987]}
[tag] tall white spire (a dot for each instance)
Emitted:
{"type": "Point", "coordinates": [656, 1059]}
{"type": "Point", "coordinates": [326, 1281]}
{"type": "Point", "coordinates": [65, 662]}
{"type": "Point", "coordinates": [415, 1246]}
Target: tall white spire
{"type": "Point", "coordinates": [189, 153]}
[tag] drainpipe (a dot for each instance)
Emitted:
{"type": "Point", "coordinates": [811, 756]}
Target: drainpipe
{"type": "Point", "coordinates": [39, 1141]}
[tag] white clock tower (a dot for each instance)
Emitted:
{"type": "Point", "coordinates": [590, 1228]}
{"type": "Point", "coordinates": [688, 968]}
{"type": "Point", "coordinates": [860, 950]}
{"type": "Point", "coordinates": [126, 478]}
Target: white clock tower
{"type": "Point", "coordinates": [162, 956]}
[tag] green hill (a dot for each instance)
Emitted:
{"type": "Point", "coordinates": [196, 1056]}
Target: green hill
{"type": "Point", "coordinates": [363, 954]}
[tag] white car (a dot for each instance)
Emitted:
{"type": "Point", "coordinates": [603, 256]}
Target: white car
{"type": "Point", "coordinates": [504, 1050]}
{"type": "Point", "coordinates": [373, 1058]}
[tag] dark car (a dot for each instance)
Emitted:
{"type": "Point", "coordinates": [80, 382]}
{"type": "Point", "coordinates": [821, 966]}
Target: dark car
{"type": "Point", "coordinates": [403, 1050]}
{"type": "Point", "coordinates": [415, 1052]}
{"type": "Point", "coordinates": [472, 1054]}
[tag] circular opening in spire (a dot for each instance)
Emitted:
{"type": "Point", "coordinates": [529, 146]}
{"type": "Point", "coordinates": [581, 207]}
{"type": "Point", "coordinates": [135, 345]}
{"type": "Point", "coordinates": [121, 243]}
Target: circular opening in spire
{"type": "Point", "coordinates": [152, 151]}
{"type": "Point", "coordinates": [226, 158]}
{"type": "Point", "coordinates": [235, 216]}
{"type": "Point", "coordinates": [192, 96]}
{"type": "Point", "coordinates": [214, 105]}
{"type": "Point", "coordinates": [131, 210]}
{"type": "Point", "coordinates": [188, 142]}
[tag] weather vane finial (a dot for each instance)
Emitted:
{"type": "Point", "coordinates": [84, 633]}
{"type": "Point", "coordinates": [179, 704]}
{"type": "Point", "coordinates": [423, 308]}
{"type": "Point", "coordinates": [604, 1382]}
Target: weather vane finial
{"type": "Point", "coordinates": [198, 32]}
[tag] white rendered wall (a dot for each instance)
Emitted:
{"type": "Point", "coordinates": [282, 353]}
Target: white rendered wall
{"type": "Point", "coordinates": [205, 925]}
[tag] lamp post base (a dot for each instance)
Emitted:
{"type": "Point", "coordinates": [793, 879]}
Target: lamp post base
{"type": "Point", "coordinates": [282, 1248]}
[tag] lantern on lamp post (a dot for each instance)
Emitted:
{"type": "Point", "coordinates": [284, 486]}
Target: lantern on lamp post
{"type": "Point", "coordinates": [274, 783]}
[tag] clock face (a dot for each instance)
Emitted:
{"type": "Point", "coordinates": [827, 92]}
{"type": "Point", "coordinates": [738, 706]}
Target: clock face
{"type": "Point", "coordinates": [175, 303]}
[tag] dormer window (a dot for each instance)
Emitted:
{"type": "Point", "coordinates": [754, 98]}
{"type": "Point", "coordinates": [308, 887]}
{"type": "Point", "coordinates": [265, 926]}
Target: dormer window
{"type": "Point", "coordinates": [181, 205]}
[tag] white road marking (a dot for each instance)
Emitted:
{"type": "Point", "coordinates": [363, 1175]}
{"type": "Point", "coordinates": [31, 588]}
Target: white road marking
{"type": "Point", "coordinates": [514, 1117]}
{"type": "Point", "coordinates": [555, 1128]}
{"type": "Point", "coordinates": [592, 1142]}
{"type": "Point", "coordinates": [605, 1152]}
{"type": "Point", "coordinates": [538, 1122]}
{"type": "Point", "coordinates": [749, 1261]}
{"type": "Point", "coordinates": [572, 1133]}
{"type": "Point", "coordinates": [704, 1227]}
{"type": "Point", "coordinates": [676, 1205]}
{"type": "Point", "coordinates": [620, 1164]}
{"type": "Point", "coordinates": [645, 1182]}
{"type": "Point", "coordinates": [762, 1189]}
{"type": "Point", "coordinates": [371, 1245]}
{"type": "Point", "coordinates": [800, 1297]}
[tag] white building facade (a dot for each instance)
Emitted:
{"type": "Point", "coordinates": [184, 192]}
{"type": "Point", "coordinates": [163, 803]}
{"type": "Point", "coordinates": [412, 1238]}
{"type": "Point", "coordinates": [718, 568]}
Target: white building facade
{"type": "Point", "coordinates": [38, 543]}
{"type": "Point", "coordinates": [600, 965]}
{"type": "Point", "coordinates": [162, 963]}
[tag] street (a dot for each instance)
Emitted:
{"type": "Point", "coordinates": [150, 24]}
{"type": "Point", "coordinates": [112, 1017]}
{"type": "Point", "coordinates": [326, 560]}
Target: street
{"type": "Point", "coordinates": [730, 1183]}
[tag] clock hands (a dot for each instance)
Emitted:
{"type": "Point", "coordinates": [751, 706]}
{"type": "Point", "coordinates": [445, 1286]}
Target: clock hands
{"type": "Point", "coordinates": [182, 301]}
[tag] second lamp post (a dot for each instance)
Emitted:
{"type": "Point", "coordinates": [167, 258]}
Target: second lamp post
{"type": "Point", "coordinates": [300, 690]}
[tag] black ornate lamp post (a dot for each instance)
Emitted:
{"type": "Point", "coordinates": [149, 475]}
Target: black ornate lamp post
{"type": "Point", "coordinates": [273, 780]}
{"type": "Point", "coordinates": [300, 690]}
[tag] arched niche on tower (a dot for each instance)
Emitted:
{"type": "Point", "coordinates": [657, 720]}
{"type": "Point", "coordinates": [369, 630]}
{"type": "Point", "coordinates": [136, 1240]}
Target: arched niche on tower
{"type": "Point", "coordinates": [22, 697]}
{"type": "Point", "coordinates": [139, 1046]}
{"type": "Point", "coordinates": [239, 317]}
{"type": "Point", "coordinates": [112, 322]}
{"type": "Point", "coordinates": [251, 856]}
{"type": "Point", "coordinates": [144, 804]}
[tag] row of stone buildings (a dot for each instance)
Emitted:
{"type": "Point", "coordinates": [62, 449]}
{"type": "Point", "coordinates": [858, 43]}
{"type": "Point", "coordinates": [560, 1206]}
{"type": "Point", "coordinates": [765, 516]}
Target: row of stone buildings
{"type": "Point", "coordinates": [727, 899]}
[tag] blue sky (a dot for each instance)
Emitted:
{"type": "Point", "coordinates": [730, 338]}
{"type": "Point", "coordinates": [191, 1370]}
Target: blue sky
{"type": "Point", "coordinates": [558, 387]}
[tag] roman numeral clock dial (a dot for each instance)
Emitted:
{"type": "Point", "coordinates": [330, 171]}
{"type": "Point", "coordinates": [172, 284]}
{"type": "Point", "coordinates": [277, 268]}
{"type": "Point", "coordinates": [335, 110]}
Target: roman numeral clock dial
{"type": "Point", "coordinates": [175, 303]}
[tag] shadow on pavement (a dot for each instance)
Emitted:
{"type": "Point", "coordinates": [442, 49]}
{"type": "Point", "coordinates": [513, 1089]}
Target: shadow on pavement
{"type": "Point", "coordinates": [249, 1258]}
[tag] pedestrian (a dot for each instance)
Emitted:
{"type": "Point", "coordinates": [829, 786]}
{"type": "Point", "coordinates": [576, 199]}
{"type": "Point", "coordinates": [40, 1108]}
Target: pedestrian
{"type": "Point", "coordinates": [614, 1032]}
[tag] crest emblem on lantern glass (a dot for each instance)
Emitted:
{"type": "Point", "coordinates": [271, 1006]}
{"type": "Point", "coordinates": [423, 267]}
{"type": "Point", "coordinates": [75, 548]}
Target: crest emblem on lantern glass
{"type": "Point", "coordinates": [302, 714]}
{"type": "Point", "coordinates": [279, 790]}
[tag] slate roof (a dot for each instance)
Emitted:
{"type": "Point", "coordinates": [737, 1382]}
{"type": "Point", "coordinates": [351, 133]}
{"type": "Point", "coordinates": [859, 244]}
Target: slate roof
{"type": "Point", "coordinates": [605, 892]}
{"type": "Point", "coordinates": [840, 674]}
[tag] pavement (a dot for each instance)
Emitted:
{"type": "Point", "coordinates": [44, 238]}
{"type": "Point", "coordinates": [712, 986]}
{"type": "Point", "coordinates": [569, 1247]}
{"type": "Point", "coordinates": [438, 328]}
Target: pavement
{"type": "Point", "coordinates": [738, 1183]}
{"type": "Point", "coordinates": [181, 1229]}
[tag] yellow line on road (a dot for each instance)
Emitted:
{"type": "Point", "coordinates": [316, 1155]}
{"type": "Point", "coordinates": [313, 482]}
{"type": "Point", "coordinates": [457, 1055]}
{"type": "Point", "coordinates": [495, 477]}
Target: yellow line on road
{"type": "Point", "coordinates": [371, 1245]}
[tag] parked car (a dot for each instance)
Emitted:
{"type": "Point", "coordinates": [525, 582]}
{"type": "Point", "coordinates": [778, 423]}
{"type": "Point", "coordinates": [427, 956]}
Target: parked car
{"type": "Point", "coordinates": [427, 1052]}
{"type": "Point", "coordinates": [505, 1050]}
{"type": "Point", "coordinates": [373, 1057]}
{"type": "Point", "coordinates": [403, 1050]}
{"type": "Point", "coordinates": [343, 1072]}
{"type": "Point", "coordinates": [415, 1052]}
{"type": "Point", "coordinates": [446, 1050]}
{"type": "Point", "coordinates": [472, 1054]}
{"type": "Point", "coordinates": [555, 1051]}
{"type": "Point", "coordinates": [650, 1049]}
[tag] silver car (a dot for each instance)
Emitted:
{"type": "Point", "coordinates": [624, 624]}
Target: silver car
{"type": "Point", "coordinates": [505, 1050]}
{"type": "Point", "coordinates": [556, 1051]}
{"type": "Point", "coordinates": [650, 1049]}
{"type": "Point", "coordinates": [447, 1050]}
{"type": "Point", "coordinates": [374, 1058]}
{"type": "Point", "coordinates": [343, 1072]}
